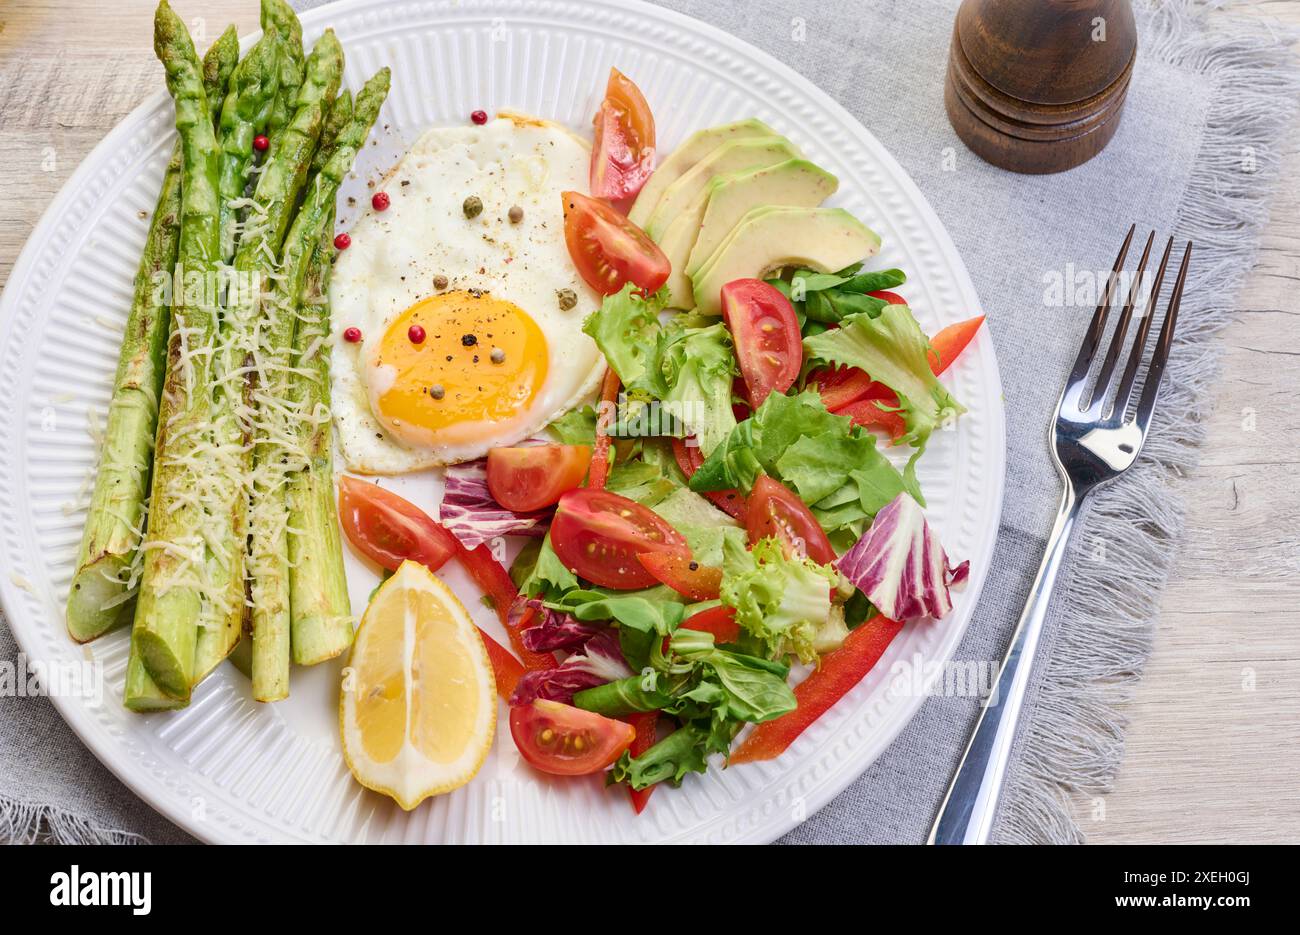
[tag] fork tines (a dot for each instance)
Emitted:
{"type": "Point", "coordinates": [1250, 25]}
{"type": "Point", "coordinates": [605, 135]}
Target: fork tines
{"type": "Point", "coordinates": [1092, 405]}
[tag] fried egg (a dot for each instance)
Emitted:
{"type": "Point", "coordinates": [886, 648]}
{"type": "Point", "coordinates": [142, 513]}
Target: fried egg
{"type": "Point", "coordinates": [470, 326]}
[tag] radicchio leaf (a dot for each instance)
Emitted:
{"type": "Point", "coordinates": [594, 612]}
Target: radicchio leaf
{"type": "Point", "coordinates": [901, 566]}
{"type": "Point", "coordinates": [470, 513]}
{"type": "Point", "coordinates": [551, 629]}
{"type": "Point", "coordinates": [598, 662]}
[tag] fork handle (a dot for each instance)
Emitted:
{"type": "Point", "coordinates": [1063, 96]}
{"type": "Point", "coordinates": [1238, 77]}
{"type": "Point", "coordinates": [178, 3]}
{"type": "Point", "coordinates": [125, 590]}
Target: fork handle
{"type": "Point", "coordinates": [966, 815]}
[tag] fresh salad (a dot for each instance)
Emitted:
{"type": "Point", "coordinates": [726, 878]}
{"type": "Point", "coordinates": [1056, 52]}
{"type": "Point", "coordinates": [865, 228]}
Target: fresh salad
{"type": "Point", "coordinates": [718, 548]}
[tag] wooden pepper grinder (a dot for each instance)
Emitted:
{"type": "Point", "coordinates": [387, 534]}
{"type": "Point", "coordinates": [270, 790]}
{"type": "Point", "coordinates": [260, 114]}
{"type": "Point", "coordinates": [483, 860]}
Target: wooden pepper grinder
{"type": "Point", "coordinates": [1037, 86]}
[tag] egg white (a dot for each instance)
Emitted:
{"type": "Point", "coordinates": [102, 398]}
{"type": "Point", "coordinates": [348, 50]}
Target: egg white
{"type": "Point", "coordinates": [396, 254]}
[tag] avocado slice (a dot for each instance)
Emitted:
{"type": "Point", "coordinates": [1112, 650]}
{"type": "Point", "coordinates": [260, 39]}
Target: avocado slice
{"type": "Point", "coordinates": [729, 157]}
{"type": "Point", "coordinates": [772, 237]}
{"type": "Point", "coordinates": [795, 182]}
{"type": "Point", "coordinates": [692, 237]}
{"type": "Point", "coordinates": [698, 145]}
{"type": "Point", "coordinates": [676, 244]}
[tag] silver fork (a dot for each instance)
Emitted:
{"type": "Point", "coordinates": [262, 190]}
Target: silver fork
{"type": "Point", "coordinates": [1092, 444]}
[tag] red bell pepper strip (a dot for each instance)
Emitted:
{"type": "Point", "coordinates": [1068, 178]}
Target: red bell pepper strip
{"type": "Point", "coordinates": [645, 724]}
{"type": "Point", "coordinates": [893, 298]}
{"type": "Point", "coordinates": [599, 470]}
{"type": "Point", "coordinates": [505, 667]}
{"type": "Point", "coordinates": [840, 670]}
{"type": "Point", "coordinates": [951, 341]}
{"type": "Point", "coordinates": [720, 621]}
{"type": "Point", "coordinates": [495, 581]}
{"type": "Point", "coordinates": [871, 414]}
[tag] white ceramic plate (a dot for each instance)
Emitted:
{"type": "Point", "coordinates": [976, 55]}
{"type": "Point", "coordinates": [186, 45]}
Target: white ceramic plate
{"type": "Point", "coordinates": [228, 769]}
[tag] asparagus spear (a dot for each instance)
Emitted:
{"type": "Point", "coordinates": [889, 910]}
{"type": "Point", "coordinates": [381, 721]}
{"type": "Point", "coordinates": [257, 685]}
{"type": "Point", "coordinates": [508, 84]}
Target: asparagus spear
{"type": "Point", "coordinates": [320, 619]}
{"type": "Point", "coordinates": [279, 452]}
{"type": "Point", "coordinates": [244, 114]}
{"type": "Point", "coordinates": [283, 176]}
{"type": "Point", "coordinates": [171, 593]}
{"type": "Point", "coordinates": [218, 65]}
{"type": "Point", "coordinates": [339, 116]}
{"type": "Point", "coordinates": [102, 596]}
{"type": "Point", "coordinates": [278, 18]}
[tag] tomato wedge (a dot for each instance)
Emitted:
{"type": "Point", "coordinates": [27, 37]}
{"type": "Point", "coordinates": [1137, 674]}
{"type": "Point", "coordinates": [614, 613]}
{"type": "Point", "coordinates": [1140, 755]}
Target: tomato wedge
{"type": "Point", "coordinates": [689, 459]}
{"type": "Point", "coordinates": [567, 741]}
{"type": "Point", "coordinates": [683, 574]}
{"type": "Point", "coordinates": [645, 725]}
{"type": "Point", "coordinates": [598, 536]}
{"type": "Point", "coordinates": [623, 152]}
{"type": "Point", "coordinates": [769, 347]}
{"type": "Point", "coordinates": [774, 510]}
{"type": "Point", "coordinates": [608, 249]}
{"type": "Point", "coordinates": [600, 465]}
{"type": "Point", "coordinates": [388, 529]}
{"type": "Point", "coordinates": [839, 671]}
{"type": "Point", "coordinates": [720, 621]}
{"type": "Point", "coordinates": [530, 478]}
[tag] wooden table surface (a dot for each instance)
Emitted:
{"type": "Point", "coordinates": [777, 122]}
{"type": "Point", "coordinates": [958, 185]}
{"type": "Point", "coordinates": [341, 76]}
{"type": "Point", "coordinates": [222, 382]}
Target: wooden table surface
{"type": "Point", "coordinates": [1213, 749]}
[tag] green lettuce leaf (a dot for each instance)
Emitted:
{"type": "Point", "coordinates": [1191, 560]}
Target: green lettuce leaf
{"type": "Point", "coordinates": [834, 467]}
{"type": "Point", "coordinates": [893, 349]}
{"type": "Point", "coordinates": [783, 601]}
{"type": "Point", "coordinates": [698, 368]}
{"type": "Point", "coordinates": [576, 427]}
{"type": "Point", "coordinates": [626, 329]}
{"type": "Point", "coordinates": [538, 571]}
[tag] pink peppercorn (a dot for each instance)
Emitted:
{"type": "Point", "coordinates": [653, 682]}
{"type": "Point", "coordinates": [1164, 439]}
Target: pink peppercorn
{"type": "Point", "coordinates": [416, 334]}
{"type": "Point", "coordinates": [342, 242]}
{"type": "Point", "coordinates": [380, 201]}
{"type": "Point", "coordinates": [352, 335]}
{"type": "Point", "coordinates": [479, 117]}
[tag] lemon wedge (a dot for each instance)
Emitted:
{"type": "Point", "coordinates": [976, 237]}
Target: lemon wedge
{"type": "Point", "coordinates": [418, 706]}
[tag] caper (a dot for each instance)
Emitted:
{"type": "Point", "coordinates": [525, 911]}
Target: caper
{"type": "Point", "coordinates": [568, 298]}
{"type": "Point", "coordinates": [440, 282]}
{"type": "Point", "coordinates": [516, 214]}
{"type": "Point", "coordinates": [473, 206]}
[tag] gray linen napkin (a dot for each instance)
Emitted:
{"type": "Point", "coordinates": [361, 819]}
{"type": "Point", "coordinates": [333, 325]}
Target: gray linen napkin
{"type": "Point", "coordinates": [1195, 156]}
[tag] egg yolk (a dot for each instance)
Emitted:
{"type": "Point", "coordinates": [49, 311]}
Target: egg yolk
{"type": "Point", "coordinates": [482, 359]}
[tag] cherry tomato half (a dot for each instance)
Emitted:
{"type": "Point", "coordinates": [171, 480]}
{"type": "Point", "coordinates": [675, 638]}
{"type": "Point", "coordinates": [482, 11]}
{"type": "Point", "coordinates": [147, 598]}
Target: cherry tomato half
{"type": "Point", "coordinates": [623, 152]}
{"type": "Point", "coordinates": [567, 741]}
{"type": "Point", "coordinates": [683, 574]}
{"type": "Point", "coordinates": [389, 530]}
{"type": "Point", "coordinates": [598, 536]}
{"type": "Point", "coordinates": [608, 249]}
{"type": "Point", "coordinates": [525, 479]}
{"type": "Point", "coordinates": [763, 325]}
{"type": "Point", "coordinates": [774, 510]}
